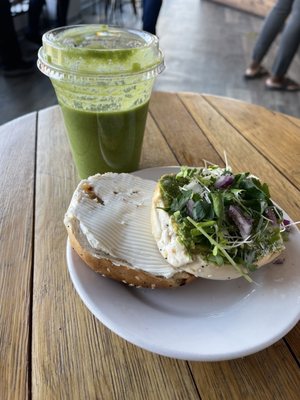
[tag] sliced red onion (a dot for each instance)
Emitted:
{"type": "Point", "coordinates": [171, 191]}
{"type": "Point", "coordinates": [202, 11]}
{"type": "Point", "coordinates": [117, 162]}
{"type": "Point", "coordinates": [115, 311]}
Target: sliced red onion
{"type": "Point", "coordinates": [287, 224]}
{"type": "Point", "coordinates": [270, 214]}
{"type": "Point", "coordinates": [243, 223]}
{"type": "Point", "coordinates": [189, 207]}
{"type": "Point", "coordinates": [224, 181]}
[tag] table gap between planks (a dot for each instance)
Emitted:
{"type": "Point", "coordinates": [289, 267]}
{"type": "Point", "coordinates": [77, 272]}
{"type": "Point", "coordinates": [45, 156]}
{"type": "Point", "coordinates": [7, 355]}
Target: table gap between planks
{"type": "Point", "coordinates": [51, 347]}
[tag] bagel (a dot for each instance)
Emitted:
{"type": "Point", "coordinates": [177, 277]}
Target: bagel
{"type": "Point", "coordinates": [108, 224]}
{"type": "Point", "coordinates": [214, 224]}
{"type": "Point", "coordinates": [197, 223]}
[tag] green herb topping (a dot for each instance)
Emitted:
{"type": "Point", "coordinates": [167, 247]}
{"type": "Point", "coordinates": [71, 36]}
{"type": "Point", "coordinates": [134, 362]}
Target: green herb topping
{"type": "Point", "coordinates": [224, 217]}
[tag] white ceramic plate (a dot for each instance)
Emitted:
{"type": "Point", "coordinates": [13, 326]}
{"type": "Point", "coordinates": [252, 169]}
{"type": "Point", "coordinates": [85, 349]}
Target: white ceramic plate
{"type": "Point", "coordinates": [204, 321]}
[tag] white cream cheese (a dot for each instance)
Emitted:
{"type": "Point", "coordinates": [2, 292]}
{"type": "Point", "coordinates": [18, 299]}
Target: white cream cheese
{"type": "Point", "coordinates": [119, 224]}
{"type": "Point", "coordinates": [163, 231]}
{"type": "Point", "coordinates": [176, 254]}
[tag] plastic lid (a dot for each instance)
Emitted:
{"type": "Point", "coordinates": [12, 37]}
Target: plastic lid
{"type": "Point", "coordinates": [97, 52]}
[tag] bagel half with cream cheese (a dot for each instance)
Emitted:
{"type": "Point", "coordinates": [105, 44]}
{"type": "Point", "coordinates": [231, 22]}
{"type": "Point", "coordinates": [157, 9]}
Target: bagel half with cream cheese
{"type": "Point", "coordinates": [109, 226]}
{"type": "Point", "coordinates": [214, 224]}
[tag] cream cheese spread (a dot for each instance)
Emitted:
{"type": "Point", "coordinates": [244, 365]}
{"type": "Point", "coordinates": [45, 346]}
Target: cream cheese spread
{"type": "Point", "coordinates": [117, 222]}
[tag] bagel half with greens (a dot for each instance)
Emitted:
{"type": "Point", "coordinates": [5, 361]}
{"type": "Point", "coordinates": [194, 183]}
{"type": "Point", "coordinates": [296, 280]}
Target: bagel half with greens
{"type": "Point", "coordinates": [215, 224]}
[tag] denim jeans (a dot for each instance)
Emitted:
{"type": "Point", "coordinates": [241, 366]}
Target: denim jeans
{"type": "Point", "coordinates": [276, 22]}
{"type": "Point", "coordinates": [151, 10]}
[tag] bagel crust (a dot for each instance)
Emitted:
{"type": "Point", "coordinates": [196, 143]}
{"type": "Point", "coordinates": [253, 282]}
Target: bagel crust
{"type": "Point", "coordinates": [125, 274]}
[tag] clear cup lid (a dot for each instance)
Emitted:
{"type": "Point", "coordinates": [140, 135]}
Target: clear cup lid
{"type": "Point", "coordinates": [99, 52]}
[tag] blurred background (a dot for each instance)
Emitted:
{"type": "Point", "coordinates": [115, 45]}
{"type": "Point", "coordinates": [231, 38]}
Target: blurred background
{"type": "Point", "coordinates": [207, 46]}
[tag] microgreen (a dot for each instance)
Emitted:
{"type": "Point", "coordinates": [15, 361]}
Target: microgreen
{"type": "Point", "coordinates": [227, 218]}
{"type": "Point", "coordinates": [217, 247]}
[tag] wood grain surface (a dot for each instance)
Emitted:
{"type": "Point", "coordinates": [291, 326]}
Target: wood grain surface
{"type": "Point", "coordinates": [17, 163]}
{"type": "Point", "coordinates": [51, 346]}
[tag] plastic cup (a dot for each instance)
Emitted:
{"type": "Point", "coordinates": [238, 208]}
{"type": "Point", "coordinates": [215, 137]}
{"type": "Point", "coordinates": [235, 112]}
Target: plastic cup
{"type": "Point", "coordinates": [103, 77]}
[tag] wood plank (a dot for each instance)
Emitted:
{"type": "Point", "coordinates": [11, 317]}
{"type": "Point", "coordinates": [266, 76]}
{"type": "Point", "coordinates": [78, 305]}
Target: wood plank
{"type": "Point", "coordinates": [293, 339]}
{"type": "Point", "coordinates": [181, 132]}
{"type": "Point", "coordinates": [277, 141]}
{"type": "Point", "coordinates": [294, 120]}
{"type": "Point", "coordinates": [75, 356]}
{"type": "Point", "coordinates": [17, 160]}
{"type": "Point", "coordinates": [241, 155]}
{"type": "Point", "coordinates": [268, 375]}
{"type": "Point", "coordinates": [257, 7]}
{"type": "Point", "coordinates": [155, 151]}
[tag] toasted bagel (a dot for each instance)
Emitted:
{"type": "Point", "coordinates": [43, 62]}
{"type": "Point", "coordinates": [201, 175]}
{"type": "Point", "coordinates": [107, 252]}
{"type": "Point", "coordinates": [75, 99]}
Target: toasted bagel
{"type": "Point", "coordinates": [120, 226]}
{"type": "Point", "coordinates": [165, 232]}
{"type": "Point", "coordinates": [108, 224]}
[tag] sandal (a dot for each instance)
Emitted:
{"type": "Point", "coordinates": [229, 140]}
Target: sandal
{"type": "Point", "coordinates": [257, 73]}
{"type": "Point", "coordinates": [287, 85]}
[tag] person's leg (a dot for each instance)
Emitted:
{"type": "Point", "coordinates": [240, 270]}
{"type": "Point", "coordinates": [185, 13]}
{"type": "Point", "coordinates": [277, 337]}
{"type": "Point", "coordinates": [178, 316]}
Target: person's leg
{"type": "Point", "coordinates": [34, 15]}
{"type": "Point", "coordinates": [273, 24]}
{"type": "Point", "coordinates": [10, 51]}
{"type": "Point", "coordinates": [289, 43]}
{"type": "Point", "coordinates": [151, 10]}
{"type": "Point", "coordinates": [61, 12]}
{"type": "Point", "coordinates": [9, 46]}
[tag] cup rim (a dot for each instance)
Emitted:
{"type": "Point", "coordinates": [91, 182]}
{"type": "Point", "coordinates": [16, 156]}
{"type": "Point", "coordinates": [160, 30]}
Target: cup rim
{"type": "Point", "coordinates": [60, 73]}
{"type": "Point", "coordinates": [46, 39]}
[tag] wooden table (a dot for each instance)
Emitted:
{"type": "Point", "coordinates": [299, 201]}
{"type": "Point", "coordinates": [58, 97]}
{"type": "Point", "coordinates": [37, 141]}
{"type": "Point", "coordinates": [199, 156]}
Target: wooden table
{"type": "Point", "coordinates": [51, 346]}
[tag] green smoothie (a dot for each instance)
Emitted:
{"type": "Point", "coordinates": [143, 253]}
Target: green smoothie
{"type": "Point", "coordinates": [103, 77]}
{"type": "Point", "coordinates": [105, 141]}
